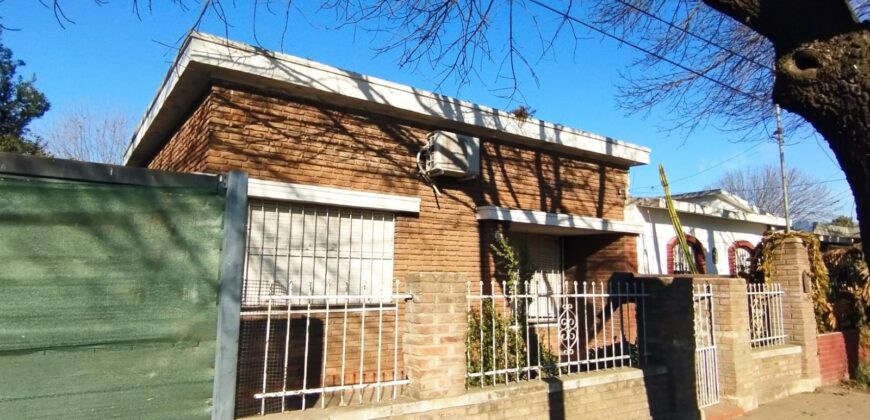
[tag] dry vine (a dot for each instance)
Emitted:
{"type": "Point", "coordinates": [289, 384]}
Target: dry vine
{"type": "Point", "coordinates": [762, 266]}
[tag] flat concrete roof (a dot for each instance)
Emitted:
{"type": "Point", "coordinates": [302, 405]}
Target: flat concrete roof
{"type": "Point", "coordinates": [205, 58]}
{"type": "Point", "coordinates": [702, 210]}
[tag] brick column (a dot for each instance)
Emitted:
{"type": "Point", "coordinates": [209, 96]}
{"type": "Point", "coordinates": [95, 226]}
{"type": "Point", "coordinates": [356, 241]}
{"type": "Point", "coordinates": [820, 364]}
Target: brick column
{"type": "Point", "coordinates": [790, 262]}
{"type": "Point", "coordinates": [434, 340]}
{"type": "Point", "coordinates": [733, 349]}
{"type": "Point", "coordinates": [671, 337]}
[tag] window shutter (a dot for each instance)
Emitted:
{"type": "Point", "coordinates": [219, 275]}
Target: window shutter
{"type": "Point", "coordinates": [305, 250]}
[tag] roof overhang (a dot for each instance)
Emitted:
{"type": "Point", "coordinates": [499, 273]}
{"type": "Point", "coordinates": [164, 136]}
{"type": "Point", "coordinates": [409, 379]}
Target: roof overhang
{"type": "Point", "coordinates": [204, 59]}
{"type": "Point", "coordinates": [556, 223]}
{"type": "Point", "coordinates": [838, 240]}
{"type": "Point", "coordinates": [701, 210]}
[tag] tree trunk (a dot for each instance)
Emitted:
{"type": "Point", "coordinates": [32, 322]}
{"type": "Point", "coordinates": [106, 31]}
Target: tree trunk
{"type": "Point", "coordinates": [828, 83]}
{"type": "Point", "coordinates": [822, 74]}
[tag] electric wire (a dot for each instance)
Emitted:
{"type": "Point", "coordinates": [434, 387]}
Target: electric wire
{"type": "Point", "coordinates": [694, 35]}
{"type": "Point", "coordinates": [624, 41]}
{"type": "Point", "coordinates": [729, 159]}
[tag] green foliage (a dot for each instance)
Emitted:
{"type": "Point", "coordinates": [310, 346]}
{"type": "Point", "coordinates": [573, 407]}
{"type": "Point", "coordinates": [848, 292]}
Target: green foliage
{"type": "Point", "coordinates": [20, 103]}
{"type": "Point", "coordinates": [862, 375]}
{"type": "Point", "coordinates": [13, 144]}
{"type": "Point", "coordinates": [514, 263]}
{"type": "Point", "coordinates": [762, 267]}
{"type": "Point", "coordinates": [844, 221]}
{"type": "Point", "coordinates": [494, 341]}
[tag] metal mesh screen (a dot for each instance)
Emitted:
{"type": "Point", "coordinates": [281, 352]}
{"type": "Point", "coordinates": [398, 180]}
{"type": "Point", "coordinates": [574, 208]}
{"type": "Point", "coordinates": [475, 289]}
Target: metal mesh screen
{"type": "Point", "coordinates": [108, 299]}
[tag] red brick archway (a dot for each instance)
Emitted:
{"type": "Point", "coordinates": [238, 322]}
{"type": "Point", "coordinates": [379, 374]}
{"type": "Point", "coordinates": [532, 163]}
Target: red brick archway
{"type": "Point", "coordinates": [732, 254]}
{"type": "Point", "coordinates": [697, 251]}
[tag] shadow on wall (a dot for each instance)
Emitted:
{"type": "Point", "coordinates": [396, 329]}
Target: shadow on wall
{"type": "Point", "coordinates": [296, 140]}
{"type": "Point", "coordinates": [670, 342]}
{"type": "Point", "coordinates": [667, 336]}
{"type": "Point", "coordinates": [560, 183]}
{"type": "Point", "coordinates": [374, 150]}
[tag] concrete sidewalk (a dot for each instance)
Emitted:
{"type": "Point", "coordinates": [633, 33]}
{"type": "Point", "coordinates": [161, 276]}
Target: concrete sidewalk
{"type": "Point", "coordinates": [834, 403]}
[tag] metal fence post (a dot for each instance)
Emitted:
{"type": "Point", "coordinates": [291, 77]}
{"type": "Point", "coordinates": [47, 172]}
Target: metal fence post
{"type": "Point", "coordinates": [229, 296]}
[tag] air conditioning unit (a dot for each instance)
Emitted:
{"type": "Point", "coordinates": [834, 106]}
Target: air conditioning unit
{"type": "Point", "coordinates": [453, 155]}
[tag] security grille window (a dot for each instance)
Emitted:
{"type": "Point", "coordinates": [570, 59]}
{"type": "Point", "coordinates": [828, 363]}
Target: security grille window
{"type": "Point", "coordinates": [303, 250]}
{"type": "Point", "coordinates": [681, 266]}
{"type": "Point", "coordinates": [742, 260]}
{"type": "Point", "coordinates": [545, 253]}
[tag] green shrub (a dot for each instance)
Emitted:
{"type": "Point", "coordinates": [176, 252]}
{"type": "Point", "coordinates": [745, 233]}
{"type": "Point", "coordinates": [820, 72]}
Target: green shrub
{"type": "Point", "coordinates": [862, 375]}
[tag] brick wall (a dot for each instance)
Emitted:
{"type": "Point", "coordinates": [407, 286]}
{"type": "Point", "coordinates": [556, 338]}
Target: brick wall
{"type": "Point", "coordinates": [834, 357]}
{"type": "Point", "coordinates": [636, 398]}
{"type": "Point", "coordinates": [279, 138]}
{"type": "Point", "coordinates": [774, 374]}
{"type": "Point", "coordinates": [595, 258]}
{"type": "Point", "coordinates": [186, 149]}
{"type": "Point", "coordinates": [620, 393]}
{"type": "Point", "coordinates": [525, 178]}
{"type": "Point", "coordinates": [286, 139]}
{"type": "Point", "coordinates": [747, 376]}
{"type": "Point", "coordinates": [839, 355]}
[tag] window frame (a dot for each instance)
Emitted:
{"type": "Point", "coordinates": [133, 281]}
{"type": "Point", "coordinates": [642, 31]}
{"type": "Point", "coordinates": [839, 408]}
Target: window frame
{"type": "Point", "coordinates": [334, 249]}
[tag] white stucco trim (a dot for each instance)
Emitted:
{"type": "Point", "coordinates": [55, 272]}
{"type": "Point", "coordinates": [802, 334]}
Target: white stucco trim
{"type": "Point", "coordinates": [206, 56]}
{"type": "Point", "coordinates": [558, 220]}
{"type": "Point", "coordinates": [693, 208]}
{"type": "Point", "coordinates": [283, 191]}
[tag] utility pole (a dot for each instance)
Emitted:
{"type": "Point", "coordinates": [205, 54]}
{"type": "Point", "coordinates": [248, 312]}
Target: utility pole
{"type": "Point", "coordinates": [782, 167]}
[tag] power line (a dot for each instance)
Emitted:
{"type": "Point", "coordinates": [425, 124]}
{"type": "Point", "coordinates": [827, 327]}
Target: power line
{"type": "Point", "coordinates": [827, 181]}
{"type": "Point", "coordinates": [593, 28]}
{"type": "Point", "coordinates": [825, 152]}
{"type": "Point", "coordinates": [692, 34]}
{"type": "Point", "coordinates": [711, 167]}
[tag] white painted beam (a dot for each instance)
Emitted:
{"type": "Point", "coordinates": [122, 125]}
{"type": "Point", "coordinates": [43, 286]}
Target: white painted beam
{"type": "Point", "coordinates": [284, 191]}
{"type": "Point", "coordinates": [568, 222]}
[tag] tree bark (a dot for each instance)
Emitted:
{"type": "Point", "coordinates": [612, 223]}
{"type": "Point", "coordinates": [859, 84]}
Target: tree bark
{"type": "Point", "coordinates": [822, 74]}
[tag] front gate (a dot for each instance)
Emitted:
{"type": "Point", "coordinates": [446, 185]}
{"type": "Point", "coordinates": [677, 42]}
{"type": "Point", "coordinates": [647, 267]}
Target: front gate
{"type": "Point", "coordinates": [706, 362]}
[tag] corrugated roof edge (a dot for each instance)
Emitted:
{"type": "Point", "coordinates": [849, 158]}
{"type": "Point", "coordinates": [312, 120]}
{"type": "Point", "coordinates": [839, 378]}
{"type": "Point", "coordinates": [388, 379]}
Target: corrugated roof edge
{"type": "Point", "coordinates": [239, 58]}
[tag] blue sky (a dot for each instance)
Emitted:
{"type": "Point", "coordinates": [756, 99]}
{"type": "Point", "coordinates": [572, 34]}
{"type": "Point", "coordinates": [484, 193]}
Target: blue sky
{"type": "Point", "coordinates": [110, 59]}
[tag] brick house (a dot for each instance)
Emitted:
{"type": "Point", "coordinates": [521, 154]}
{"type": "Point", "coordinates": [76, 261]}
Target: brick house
{"type": "Point", "coordinates": [339, 209]}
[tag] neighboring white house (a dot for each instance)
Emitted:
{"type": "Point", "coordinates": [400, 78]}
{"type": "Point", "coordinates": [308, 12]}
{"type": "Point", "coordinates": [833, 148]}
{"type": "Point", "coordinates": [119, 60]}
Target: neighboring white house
{"type": "Point", "coordinates": [721, 228]}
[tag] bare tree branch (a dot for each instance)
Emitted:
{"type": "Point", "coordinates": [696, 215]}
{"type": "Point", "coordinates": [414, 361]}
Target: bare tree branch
{"type": "Point", "coordinates": [810, 199]}
{"type": "Point", "coordinates": [89, 135]}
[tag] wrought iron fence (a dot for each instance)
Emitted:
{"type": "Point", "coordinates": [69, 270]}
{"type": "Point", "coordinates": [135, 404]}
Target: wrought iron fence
{"type": "Point", "coordinates": [321, 350]}
{"type": "Point", "coordinates": [765, 314]}
{"type": "Point", "coordinates": [533, 332]}
{"type": "Point", "coordinates": [706, 357]}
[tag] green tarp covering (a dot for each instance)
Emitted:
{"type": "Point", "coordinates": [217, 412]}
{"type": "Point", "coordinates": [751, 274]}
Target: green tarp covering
{"type": "Point", "coordinates": [107, 299]}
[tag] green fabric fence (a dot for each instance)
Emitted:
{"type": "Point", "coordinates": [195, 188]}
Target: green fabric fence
{"type": "Point", "coordinates": [107, 299]}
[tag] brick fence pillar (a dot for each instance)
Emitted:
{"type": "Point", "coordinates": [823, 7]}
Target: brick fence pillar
{"type": "Point", "coordinates": [733, 349]}
{"type": "Point", "coordinates": [671, 338]}
{"type": "Point", "coordinates": [790, 263]}
{"type": "Point", "coordinates": [434, 340]}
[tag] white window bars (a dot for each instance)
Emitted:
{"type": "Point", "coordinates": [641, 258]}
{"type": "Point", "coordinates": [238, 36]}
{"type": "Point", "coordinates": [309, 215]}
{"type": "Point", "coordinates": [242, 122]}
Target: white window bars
{"type": "Point", "coordinates": [331, 348]}
{"type": "Point", "coordinates": [742, 260]}
{"type": "Point", "coordinates": [765, 314]}
{"type": "Point", "coordinates": [320, 310]}
{"type": "Point", "coordinates": [598, 326]}
{"type": "Point", "coordinates": [706, 358]}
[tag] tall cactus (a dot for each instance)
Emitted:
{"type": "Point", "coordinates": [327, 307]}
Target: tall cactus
{"type": "Point", "coordinates": [675, 221]}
